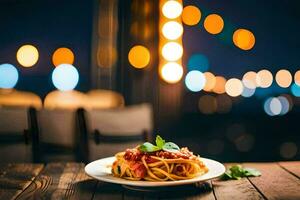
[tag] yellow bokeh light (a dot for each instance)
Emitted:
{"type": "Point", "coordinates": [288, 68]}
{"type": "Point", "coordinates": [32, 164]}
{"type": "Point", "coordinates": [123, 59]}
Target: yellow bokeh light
{"type": "Point", "coordinates": [171, 72]}
{"type": "Point", "coordinates": [172, 30]}
{"type": "Point", "coordinates": [213, 24]}
{"type": "Point", "coordinates": [234, 87]}
{"type": "Point", "coordinates": [139, 56]}
{"type": "Point", "coordinates": [191, 15]}
{"type": "Point", "coordinates": [264, 78]}
{"type": "Point", "coordinates": [249, 80]}
{"type": "Point", "coordinates": [172, 51]}
{"type": "Point", "coordinates": [210, 81]}
{"type": "Point", "coordinates": [207, 104]}
{"type": "Point", "coordinates": [62, 55]}
{"type": "Point", "coordinates": [283, 78]}
{"type": "Point", "coordinates": [172, 9]}
{"type": "Point", "coordinates": [297, 77]}
{"type": "Point", "coordinates": [27, 55]}
{"type": "Point", "coordinates": [220, 85]}
{"type": "Point", "coordinates": [244, 39]}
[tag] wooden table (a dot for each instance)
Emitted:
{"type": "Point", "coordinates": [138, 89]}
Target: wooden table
{"type": "Point", "coordinates": [68, 181]}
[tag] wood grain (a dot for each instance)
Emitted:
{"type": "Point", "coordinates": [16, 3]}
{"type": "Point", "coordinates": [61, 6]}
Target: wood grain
{"type": "Point", "coordinates": [275, 182]}
{"type": "Point", "coordinates": [54, 182]}
{"type": "Point", "coordinates": [14, 178]}
{"type": "Point", "coordinates": [292, 167]}
{"type": "Point", "coordinates": [235, 189]}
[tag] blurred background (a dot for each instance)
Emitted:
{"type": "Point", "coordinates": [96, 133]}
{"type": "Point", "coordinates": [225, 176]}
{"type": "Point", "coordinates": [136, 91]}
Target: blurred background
{"type": "Point", "coordinates": [220, 77]}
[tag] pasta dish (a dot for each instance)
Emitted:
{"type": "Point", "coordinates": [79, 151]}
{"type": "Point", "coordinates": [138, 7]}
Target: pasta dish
{"type": "Point", "coordinates": [163, 162]}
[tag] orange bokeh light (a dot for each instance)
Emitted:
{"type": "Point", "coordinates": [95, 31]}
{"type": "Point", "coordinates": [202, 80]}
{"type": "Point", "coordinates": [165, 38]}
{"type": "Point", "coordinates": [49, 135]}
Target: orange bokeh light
{"type": "Point", "coordinates": [210, 81]}
{"type": "Point", "coordinates": [63, 55]}
{"type": "Point", "coordinates": [220, 85]}
{"type": "Point", "coordinates": [191, 15]}
{"type": "Point", "coordinates": [283, 78]}
{"type": "Point", "coordinates": [244, 39]}
{"type": "Point", "coordinates": [264, 78]}
{"type": "Point", "coordinates": [213, 24]}
{"type": "Point", "coordinates": [139, 56]}
{"type": "Point", "coordinates": [297, 77]}
{"type": "Point", "coordinates": [249, 80]}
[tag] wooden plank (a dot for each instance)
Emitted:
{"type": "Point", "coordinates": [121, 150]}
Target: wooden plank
{"type": "Point", "coordinates": [107, 191]}
{"type": "Point", "coordinates": [293, 167]}
{"type": "Point", "coordinates": [275, 182]}
{"type": "Point", "coordinates": [15, 178]}
{"type": "Point", "coordinates": [235, 189]}
{"type": "Point", "coordinates": [83, 186]}
{"type": "Point", "coordinates": [201, 191]}
{"type": "Point", "coordinates": [54, 182]}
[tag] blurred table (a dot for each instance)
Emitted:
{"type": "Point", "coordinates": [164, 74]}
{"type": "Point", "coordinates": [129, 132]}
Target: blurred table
{"type": "Point", "coordinates": [68, 181]}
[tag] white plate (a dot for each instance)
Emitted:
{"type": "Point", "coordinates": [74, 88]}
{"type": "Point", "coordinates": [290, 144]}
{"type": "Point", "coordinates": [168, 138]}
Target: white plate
{"type": "Point", "coordinates": [101, 170]}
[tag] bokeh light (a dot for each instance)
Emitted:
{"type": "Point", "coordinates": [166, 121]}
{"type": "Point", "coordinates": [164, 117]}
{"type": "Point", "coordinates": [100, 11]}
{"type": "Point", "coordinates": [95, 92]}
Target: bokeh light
{"type": "Point", "coordinates": [285, 105]}
{"type": "Point", "coordinates": [288, 150]}
{"type": "Point", "coordinates": [207, 104]}
{"type": "Point", "coordinates": [195, 81]}
{"type": "Point", "coordinates": [220, 85]}
{"type": "Point", "coordinates": [139, 56]}
{"type": "Point", "coordinates": [172, 51]}
{"type": "Point", "coordinates": [283, 78]}
{"type": "Point", "coordinates": [290, 100]}
{"type": "Point", "coordinates": [63, 55]}
{"type": "Point", "coordinates": [198, 62]}
{"type": "Point", "coordinates": [171, 72]}
{"type": "Point", "coordinates": [234, 87]}
{"type": "Point", "coordinates": [249, 80]}
{"type": "Point", "coordinates": [295, 89]}
{"type": "Point", "coordinates": [191, 15]}
{"type": "Point", "coordinates": [172, 30]}
{"type": "Point", "coordinates": [65, 77]}
{"type": "Point", "coordinates": [210, 81]}
{"type": "Point", "coordinates": [244, 39]}
{"type": "Point", "coordinates": [172, 9]}
{"type": "Point", "coordinates": [272, 106]}
{"type": "Point", "coordinates": [297, 77]}
{"type": "Point", "coordinates": [248, 92]}
{"type": "Point", "coordinates": [213, 24]}
{"type": "Point", "coordinates": [264, 78]}
{"type": "Point", "coordinates": [27, 55]}
{"type": "Point", "coordinates": [8, 76]}
{"type": "Point", "coordinates": [224, 104]}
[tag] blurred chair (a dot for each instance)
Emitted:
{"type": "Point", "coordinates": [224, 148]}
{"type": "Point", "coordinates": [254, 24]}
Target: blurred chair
{"type": "Point", "coordinates": [62, 136]}
{"type": "Point", "coordinates": [115, 130]}
{"type": "Point", "coordinates": [70, 100]}
{"type": "Point", "coordinates": [105, 99]}
{"type": "Point", "coordinates": [14, 136]}
{"type": "Point", "coordinates": [12, 97]}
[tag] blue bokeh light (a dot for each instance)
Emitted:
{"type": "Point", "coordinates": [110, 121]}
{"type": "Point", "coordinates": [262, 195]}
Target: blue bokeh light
{"type": "Point", "coordinates": [285, 104]}
{"type": "Point", "coordinates": [267, 106]}
{"type": "Point", "coordinates": [65, 77]}
{"type": "Point", "coordinates": [195, 81]}
{"type": "Point", "coordinates": [198, 62]}
{"type": "Point", "coordinates": [295, 90]}
{"type": "Point", "coordinates": [9, 76]}
{"type": "Point", "coordinates": [248, 92]}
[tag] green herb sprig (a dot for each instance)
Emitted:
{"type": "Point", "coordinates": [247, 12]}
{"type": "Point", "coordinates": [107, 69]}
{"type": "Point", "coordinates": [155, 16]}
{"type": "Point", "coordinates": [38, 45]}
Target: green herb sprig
{"type": "Point", "coordinates": [237, 172]}
{"type": "Point", "coordinates": [161, 144]}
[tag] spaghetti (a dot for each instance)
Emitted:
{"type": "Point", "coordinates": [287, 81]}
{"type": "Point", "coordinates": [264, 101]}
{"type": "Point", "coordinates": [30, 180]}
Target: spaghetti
{"type": "Point", "coordinates": [160, 165]}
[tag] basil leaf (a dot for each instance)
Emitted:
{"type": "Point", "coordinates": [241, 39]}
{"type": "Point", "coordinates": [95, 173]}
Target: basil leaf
{"type": "Point", "coordinates": [237, 172]}
{"type": "Point", "coordinates": [170, 147]}
{"type": "Point", "coordinates": [252, 172]}
{"type": "Point", "coordinates": [148, 147]}
{"type": "Point", "coordinates": [160, 142]}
